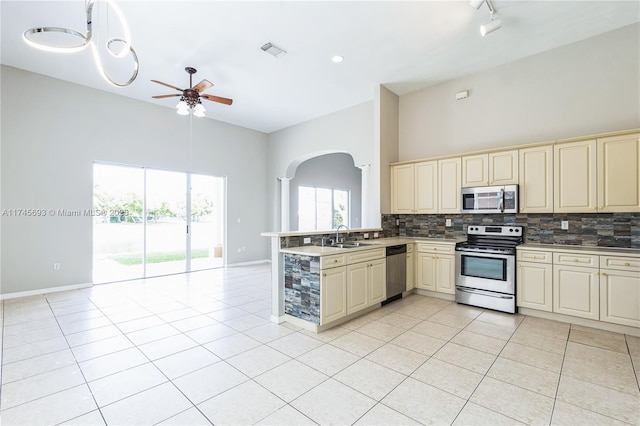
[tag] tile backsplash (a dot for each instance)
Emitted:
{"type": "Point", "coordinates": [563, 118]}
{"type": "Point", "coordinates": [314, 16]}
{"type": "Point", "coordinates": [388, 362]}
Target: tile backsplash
{"type": "Point", "coordinates": [596, 229]}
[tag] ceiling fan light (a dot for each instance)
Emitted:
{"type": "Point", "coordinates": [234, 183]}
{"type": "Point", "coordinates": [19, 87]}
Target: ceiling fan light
{"type": "Point", "coordinates": [181, 104]}
{"type": "Point", "coordinates": [199, 108]}
{"type": "Point", "coordinates": [476, 3]}
{"type": "Point", "coordinates": [198, 113]}
{"type": "Point", "coordinates": [490, 27]}
{"type": "Point", "coordinates": [183, 111]}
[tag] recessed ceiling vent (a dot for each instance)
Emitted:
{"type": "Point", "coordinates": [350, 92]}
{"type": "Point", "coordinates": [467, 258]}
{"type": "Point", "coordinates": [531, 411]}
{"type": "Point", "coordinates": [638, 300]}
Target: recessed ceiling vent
{"type": "Point", "coordinates": [273, 50]}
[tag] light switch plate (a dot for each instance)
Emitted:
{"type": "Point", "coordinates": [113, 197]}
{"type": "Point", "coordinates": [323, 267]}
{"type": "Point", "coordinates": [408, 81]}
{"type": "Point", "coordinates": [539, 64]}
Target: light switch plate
{"type": "Point", "coordinates": [366, 236]}
{"type": "Point", "coordinates": [447, 222]}
{"type": "Point", "coordinates": [375, 235]}
{"type": "Point", "coordinates": [565, 225]}
{"type": "Point", "coordinates": [307, 241]}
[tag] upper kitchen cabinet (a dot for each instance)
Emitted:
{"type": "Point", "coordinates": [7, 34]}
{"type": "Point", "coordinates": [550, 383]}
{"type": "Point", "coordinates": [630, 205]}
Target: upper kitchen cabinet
{"type": "Point", "coordinates": [536, 179]}
{"type": "Point", "coordinates": [414, 188]}
{"type": "Point", "coordinates": [600, 175]}
{"type": "Point", "coordinates": [575, 177]}
{"type": "Point", "coordinates": [449, 185]}
{"type": "Point", "coordinates": [403, 189]}
{"type": "Point", "coordinates": [619, 173]}
{"type": "Point", "coordinates": [495, 168]}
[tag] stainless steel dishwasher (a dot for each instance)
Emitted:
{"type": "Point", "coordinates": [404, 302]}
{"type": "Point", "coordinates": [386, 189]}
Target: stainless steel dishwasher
{"type": "Point", "coordinates": [396, 272]}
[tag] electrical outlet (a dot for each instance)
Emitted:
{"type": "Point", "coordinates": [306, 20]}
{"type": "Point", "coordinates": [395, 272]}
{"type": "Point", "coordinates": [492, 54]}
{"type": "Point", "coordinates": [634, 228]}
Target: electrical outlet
{"type": "Point", "coordinates": [565, 225]}
{"type": "Point", "coordinates": [375, 235]}
{"type": "Point", "coordinates": [306, 241]}
{"type": "Point", "coordinates": [239, 250]}
{"type": "Point", "coordinates": [56, 266]}
{"type": "Point", "coordinates": [366, 236]}
{"type": "Point", "coordinates": [447, 222]}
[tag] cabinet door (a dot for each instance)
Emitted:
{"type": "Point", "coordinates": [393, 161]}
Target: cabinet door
{"type": "Point", "coordinates": [377, 281]}
{"type": "Point", "coordinates": [402, 189]}
{"type": "Point", "coordinates": [426, 184]}
{"type": "Point", "coordinates": [575, 177]}
{"type": "Point", "coordinates": [426, 271]}
{"type": "Point", "coordinates": [535, 286]}
{"type": "Point", "coordinates": [333, 289]}
{"type": "Point", "coordinates": [620, 297]}
{"type": "Point", "coordinates": [575, 291]}
{"type": "Point", "coordinates": [357, 288]}
{"type": "Point", "coordinates": [503, 167]}
{"type": "Point", "coordinates": [619, 174]}
{"type": "Point", "coordinates": [475, 170]}
{"type": "Point", "coordinates": [449, 183]}
{"type": "Point", "coordinates": [411, 280]}
{"type": "Point", "coordinates": [445, 270]}
{"type": "Point", "coordinates": [536, 179]}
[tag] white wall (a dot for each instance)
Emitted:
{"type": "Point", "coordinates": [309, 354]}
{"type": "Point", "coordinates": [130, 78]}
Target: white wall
{"type": "Point", "coordinates": [52, 131]}
{"type": "Point", "coordinates": [349, 131]}
{"type": "Point", "coordinates": [388, 114]}
{"type": "Point", "coordinates": [592, 86]}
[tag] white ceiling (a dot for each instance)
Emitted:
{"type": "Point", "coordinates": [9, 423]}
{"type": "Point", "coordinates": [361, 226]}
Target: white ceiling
{"type": "Point", "coordinates": [405, 45]}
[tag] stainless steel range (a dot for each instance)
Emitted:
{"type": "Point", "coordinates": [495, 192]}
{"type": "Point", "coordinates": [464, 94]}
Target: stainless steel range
{"type": "Point", "coordinates": [486, 267]}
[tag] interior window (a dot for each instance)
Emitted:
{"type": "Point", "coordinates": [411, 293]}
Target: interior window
{"type": "Point", "coordinates": [322, 208]}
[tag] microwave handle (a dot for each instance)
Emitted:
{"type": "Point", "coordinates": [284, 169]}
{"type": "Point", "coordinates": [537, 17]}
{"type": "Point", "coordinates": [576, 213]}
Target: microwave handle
{"type": "Point", "coordinates": [501, 200]}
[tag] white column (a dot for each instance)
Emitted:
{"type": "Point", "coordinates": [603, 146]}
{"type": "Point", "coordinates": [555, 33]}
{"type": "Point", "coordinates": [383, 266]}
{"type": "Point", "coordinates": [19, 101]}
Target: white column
{"type": "Point", "coordinates": [277, 282]}
{"type": "Point", "coordinates": [285, 220]}
{"type": "Point", "coordinates": [365, 212]}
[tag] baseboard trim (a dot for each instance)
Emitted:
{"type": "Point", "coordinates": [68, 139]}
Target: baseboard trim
{"type": "Point", "coordinates": [253, 262]}
{"type": "Point", "coordinates": [18, 294]}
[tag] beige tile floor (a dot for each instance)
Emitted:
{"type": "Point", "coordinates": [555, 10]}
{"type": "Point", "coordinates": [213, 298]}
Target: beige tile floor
{"type": "Point", "coordinates": [199, 349]}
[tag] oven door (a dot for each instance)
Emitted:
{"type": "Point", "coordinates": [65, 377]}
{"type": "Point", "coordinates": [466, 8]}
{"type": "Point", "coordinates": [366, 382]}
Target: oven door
{"type": "Point", "coordinates": [486, 271]}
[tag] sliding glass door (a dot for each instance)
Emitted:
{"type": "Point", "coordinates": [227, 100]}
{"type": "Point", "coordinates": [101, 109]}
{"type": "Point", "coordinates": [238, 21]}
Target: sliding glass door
{"type": "Point", "coordinates": [158, 222]}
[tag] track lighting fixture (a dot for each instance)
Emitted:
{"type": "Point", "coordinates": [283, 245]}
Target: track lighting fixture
{"type": "Point", "coordinates": [493, 24]}
{"type": "Point", "coordinates": [476, 3]}
{"type": "Point", "coordinates": [489, 27]}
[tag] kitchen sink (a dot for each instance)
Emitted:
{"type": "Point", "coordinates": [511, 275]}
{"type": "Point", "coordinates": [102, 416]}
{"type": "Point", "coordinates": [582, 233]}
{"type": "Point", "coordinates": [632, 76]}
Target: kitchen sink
{"type": "Point", "coordinates": [352, 244]}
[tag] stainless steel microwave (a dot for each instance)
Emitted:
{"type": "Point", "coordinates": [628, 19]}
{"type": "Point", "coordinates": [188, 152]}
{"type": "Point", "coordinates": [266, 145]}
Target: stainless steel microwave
{"type": "Point", "coordinates": [490, 199]}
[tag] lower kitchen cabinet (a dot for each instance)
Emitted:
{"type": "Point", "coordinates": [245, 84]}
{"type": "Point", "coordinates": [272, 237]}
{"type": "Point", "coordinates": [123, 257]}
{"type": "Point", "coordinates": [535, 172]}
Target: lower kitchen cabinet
{"type": "Point", "coordinates": [436, 268]}
{"type": "Point", "coordinates": [333, 301]}
{"type": "Point", "coordinates": [535, 286]}
{"type": "Point", "coordinates": [620, 290]}
{"type": "Point", "coordinates": [411, 274]}
{"type": "Point", "coordinates": [366, 284]}
{"type": "Point", "coordinates": [575, 291]}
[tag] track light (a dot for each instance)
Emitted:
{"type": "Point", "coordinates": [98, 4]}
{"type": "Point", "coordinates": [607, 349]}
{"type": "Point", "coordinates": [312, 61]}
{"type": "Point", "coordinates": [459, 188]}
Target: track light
{"type": "Point", "coordinates": [489, 27]}
{"type": "Point", "coordinates": [476, 3]}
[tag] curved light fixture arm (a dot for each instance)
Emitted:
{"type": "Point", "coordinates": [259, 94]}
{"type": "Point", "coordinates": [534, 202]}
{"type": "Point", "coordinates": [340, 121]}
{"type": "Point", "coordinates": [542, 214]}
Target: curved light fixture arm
{"type": "Point", "coordinates": [87, 39]}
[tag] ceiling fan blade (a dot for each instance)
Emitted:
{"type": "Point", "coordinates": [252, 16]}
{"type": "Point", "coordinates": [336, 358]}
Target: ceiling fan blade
{"type": "Point", "coordinates": [168, 85]}
{"type": "Point", "coordinates": [202, 86]}
{"type": "Point", "coordinates": [225, 101]}
{"type": "Point", "coordinates": [166, 96]}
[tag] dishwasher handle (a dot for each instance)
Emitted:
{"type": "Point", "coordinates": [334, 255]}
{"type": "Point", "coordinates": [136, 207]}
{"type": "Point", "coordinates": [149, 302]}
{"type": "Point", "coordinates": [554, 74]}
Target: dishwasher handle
{"type": "Point", "coordinates": [399, 249]}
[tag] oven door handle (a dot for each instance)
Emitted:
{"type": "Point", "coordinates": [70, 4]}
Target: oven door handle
{"type": "Point", "coordinates": [485, 293]}
{"type": "Point", "coordinates": [501, 200]}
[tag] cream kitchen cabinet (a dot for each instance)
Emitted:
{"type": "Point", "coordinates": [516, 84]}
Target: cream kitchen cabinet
{"type": "Point", "coordinates": [495, 168]}
{"type": "Point", "coordinates": [536, 179]}
{"type": "Point", "coordinates": [575, 285]}
{"type": "Point", "coordinates": [436, 268]}
{"type": "Point", "coordinates": [535, 280]}
{"type": "Point", "coordinates": [575, 177]}
{"type": "Point", "coordinates": [403, 189]}
{"type": "Point", "coordinates": [415, 188]}
{"type": "Point", "coordinates": [620, 290]}
{"type": "Point", "coordinates": [411, 274]}
{"type": "Point", "coordinates": [618, 172]}
{"type": "Point", "coordinates": [449, 185]}
{"type": "Point", "coordinates": [366, 280]}
{"type": "Point", "coordinates": [333, 294]}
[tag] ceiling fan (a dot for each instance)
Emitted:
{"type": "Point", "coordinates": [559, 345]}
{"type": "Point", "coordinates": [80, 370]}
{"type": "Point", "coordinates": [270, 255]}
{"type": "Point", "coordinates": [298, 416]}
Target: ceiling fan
{"type": "Point", "coordinates": [190, 98]}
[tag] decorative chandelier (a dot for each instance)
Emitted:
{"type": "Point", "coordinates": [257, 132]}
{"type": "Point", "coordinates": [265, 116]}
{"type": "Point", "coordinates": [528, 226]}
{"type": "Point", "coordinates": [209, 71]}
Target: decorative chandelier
{"type": "Point", "coordinates": [86, 39]}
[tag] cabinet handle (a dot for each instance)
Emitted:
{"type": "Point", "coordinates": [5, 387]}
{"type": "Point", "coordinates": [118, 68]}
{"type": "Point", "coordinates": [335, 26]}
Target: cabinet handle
{"type": "Point", "coordinates": [575, 260]}
{"type": "Point", "coordinates": [601, 207]}
{"type": "Point", "coordinates": [594, 208]}
{"type": "Point", "coordinates": [324, 275]}
{"type": "Point", "coordinates": [627, 264]}
{"type": "Point", "coordinates": [335, 260]}
{"type": "Point", "coordinates": [604, 274]}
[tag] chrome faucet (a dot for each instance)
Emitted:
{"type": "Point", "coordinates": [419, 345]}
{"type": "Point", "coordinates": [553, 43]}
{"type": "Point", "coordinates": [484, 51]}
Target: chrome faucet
{"type": "Point", "coordinates": [338, 230]}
